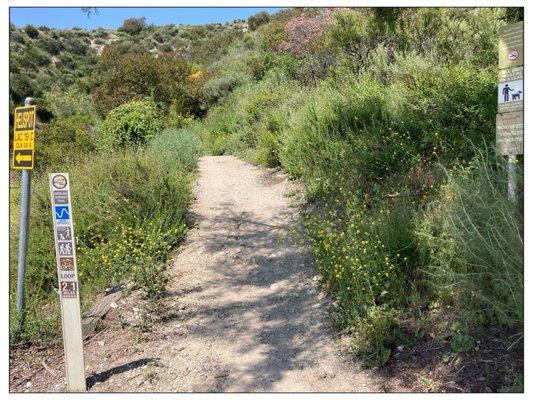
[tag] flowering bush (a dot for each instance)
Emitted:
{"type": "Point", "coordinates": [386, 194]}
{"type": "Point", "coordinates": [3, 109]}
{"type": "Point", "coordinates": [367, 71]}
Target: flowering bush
{"type": "Point", "coordinates": [301, 32]}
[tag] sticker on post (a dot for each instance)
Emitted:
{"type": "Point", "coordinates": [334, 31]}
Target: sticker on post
{"type": "Point", "coordinates": [66, 263]}
{"type": "Point", "coordinates": [62, 214]}
{"type": "Point", "coordinates": [65, 248]}
{"type": "Point", "coordinates": [67, 276]}
{"type": "Point", "coordinates": [64, 233]}
{"type": "Point", "coordinates": [60, 197]}
{"type": "Point", "coordinates": [69, 290]}
{"type": "Point", "coordinates": [59, 181]}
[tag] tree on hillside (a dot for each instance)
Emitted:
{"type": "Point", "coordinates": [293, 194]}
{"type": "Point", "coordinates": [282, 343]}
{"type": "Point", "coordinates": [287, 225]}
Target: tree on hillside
{"type": "Point", "coordinates": [255, 21]}
{"type": "Point", "coordinates": [125, 75]}
{"type": "Point", "coordinates": [31, 31]}
{"type": "Point", "coordinates": [133, 26]}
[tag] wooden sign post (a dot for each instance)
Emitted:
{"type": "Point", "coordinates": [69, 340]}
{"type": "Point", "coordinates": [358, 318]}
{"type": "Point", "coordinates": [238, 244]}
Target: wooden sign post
{"type": "Point", "coordinates": [67, 273]}
{"type": "Point", "coordinates": [510, 120]}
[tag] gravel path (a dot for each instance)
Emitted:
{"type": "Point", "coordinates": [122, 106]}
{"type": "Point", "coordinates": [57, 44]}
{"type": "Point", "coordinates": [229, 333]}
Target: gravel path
{"type": "Point", "coordinates": [248, 314]}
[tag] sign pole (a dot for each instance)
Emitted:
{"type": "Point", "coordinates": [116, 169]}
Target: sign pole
{"type": "Point", "coordinates": [511, 177]}
{"type": "Point", "coordinates": [510, 118]}
{"type": "Point", "coordinates": [69, 294]}
{"type": "Point", "coordinates": [23, 234]}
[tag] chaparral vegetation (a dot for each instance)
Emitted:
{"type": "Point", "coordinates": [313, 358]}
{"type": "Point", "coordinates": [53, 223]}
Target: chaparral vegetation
{"type": "Point", "coordinates": [386, 115]}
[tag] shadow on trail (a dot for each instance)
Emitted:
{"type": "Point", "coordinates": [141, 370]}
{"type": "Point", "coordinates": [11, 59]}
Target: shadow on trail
{"type": "Point", "coordinates": [105, 375]}
{"type": "Point", "coordinates": [263, 259]}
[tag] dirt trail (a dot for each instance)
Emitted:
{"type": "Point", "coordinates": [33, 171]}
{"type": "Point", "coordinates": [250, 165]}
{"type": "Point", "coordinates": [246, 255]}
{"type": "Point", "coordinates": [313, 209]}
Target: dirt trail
{"type": "Point", "coordinates": [253, 320]}
{"type": "Point", "coordinates": [243, 312]}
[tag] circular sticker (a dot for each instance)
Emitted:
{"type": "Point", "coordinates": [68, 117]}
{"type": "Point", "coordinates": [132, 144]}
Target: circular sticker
{"type": "Point", "coordinates": [512, 55]}
{"type": "Point", "coordinates": [59, 181]}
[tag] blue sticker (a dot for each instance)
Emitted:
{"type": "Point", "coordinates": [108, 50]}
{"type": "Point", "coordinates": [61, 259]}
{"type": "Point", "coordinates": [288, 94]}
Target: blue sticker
{"type": "Point", "coordinates": [62, 214]}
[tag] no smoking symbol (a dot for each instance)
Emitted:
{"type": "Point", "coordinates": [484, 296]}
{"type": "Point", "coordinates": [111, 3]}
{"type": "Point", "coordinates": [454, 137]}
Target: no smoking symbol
{"type": "Point", "coordinates": [513, 55]}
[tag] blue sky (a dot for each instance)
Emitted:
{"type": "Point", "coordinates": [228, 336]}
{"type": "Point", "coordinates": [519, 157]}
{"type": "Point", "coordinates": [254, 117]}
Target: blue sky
{"type": "Point", "coordinates": [112, 17]}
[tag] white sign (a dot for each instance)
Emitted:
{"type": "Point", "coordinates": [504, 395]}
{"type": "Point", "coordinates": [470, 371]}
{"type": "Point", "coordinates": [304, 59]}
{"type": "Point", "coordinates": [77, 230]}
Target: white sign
{"type": "Point", "coordinates": [68, 281]}
{"type": "Point", "coordinates": [511, 96]}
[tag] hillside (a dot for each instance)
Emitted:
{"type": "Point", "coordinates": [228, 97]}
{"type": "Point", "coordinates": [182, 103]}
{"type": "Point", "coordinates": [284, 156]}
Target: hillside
{"type": "Point", "coordinates": [44, 59]}
{"type": "Point", "coordinates": [385, 116]}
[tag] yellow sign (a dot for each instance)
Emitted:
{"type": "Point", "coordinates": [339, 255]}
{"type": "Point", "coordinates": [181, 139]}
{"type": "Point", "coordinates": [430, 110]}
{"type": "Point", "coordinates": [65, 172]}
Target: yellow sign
{"type": "Point", "coordinates": [24, 137]}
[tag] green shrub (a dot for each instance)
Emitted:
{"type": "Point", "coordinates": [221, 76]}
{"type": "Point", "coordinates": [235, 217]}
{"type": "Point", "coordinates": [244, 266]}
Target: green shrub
{"type": "Point", "coordinates": [76, 46]}
{"type": "Point", "coordinates": [267, 150]}
{"type": "Point", "coordinates": [258, 67]}
{"type": "Point", "coordinates": [473, 238]}
{"type": "Point", "coordinates": [34, 57]}
{"type": "Point", "coordinates": [377, 335]}
{"type": "Point", "coordinates": [421, 113]}
{"type": "Point", "coordinates": [65, 141]}
{"type": "Point", "coordinates": [31, 31]}
{"type": "Point", "coordinates": [177, 147]}
{"type": "Point", "coordinates": [50, 45]}
{"type": "Point", "coordinates": [69, 102]}
{"type": "Point", "coordinates": [258, 19]}
{"type": "Point", "coordinates": [218, 88]}
{"type": "Point", "coordinates": [128, 73]}
{"type": "Point", "coordinates": [133, 26]}
{"type": "Point", "coordinates": [135, 122]}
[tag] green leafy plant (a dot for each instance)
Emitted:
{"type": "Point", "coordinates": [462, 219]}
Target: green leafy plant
{"type": "Point", "coordinates": [135, 122]}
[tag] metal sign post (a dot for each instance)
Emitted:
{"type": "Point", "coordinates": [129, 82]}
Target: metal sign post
{"type": "Point", "coordinates": [67, 273]}
{"type": "Point", "coordinates": [23, 147]}
{"type": "Point", "coordinates": [510, 120]}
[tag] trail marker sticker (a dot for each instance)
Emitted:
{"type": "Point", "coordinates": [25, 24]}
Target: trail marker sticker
{"type": "Point", "coordinates": [23, 137]}
{"type": "Point", "coordinates": [62, 214]}
{"type": "Point", "coordinates": [64, 233]}
{"type": "Point", "coordinates": [60, 197]}
{"type": "Point", "coordinates": [59, 182]}
{"type": "Point", "coordinates": [69, 290]}
{"type": "Point", "coordinates": [66, 263]}
{"type": "Point", "coordinates": [67, 274]}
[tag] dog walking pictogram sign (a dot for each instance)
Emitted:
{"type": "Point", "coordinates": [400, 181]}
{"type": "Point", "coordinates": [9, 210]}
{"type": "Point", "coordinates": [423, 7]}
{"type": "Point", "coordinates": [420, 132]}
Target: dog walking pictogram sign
{"type": "Point", "coordinates": [67, 273]}
{"type": "Point", "coordinates": [23, 137]}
